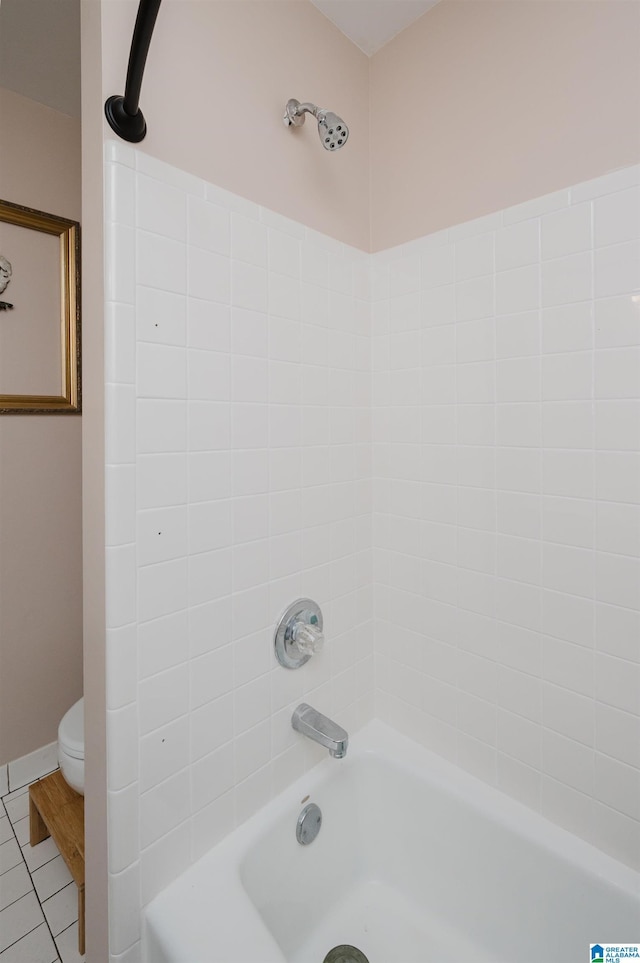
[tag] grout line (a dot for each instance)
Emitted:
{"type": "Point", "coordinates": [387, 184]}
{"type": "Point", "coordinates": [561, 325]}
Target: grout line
{"type": "Point", "coordinates": [14, 901]}
{"type": "Point", "coordinates": [44, 917]}
{"type": "Point", "coordinates": [15, 942]}
{"type": "Point", "coordinates": [55, 893]}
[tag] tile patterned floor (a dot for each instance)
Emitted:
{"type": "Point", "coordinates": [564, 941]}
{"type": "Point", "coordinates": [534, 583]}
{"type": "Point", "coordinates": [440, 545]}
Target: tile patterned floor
{"type": "Point", "coordinates": [38, 898]}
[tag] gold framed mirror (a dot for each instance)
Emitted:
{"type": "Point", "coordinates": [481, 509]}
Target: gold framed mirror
{"type": "Point", "coordinates": [39, 312]}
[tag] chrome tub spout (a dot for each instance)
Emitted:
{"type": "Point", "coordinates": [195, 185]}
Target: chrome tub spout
{"type": "Point", "coordinates": [327, 733]}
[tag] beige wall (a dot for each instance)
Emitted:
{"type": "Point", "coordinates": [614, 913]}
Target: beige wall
{"type": "Point", "coordinates": [39, 156]}
{"type": "Point", "coordinates": [217, 80]}
{"type": "Point", "coordinates": [483, 104]}
{"type": "Point", "coordinates": [40, 477]}
{"type": "Point", "coordinates": [478, 105]}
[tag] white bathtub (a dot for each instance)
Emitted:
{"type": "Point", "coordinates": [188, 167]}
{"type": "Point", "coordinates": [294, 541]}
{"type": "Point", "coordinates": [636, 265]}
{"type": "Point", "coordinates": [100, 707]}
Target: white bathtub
{"type": "Point", "coordinates": [416, 862]}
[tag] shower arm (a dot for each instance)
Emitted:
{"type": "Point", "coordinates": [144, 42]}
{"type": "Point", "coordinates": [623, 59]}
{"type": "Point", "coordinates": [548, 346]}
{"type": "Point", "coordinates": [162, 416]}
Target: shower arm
{"type": "Point", "coordinates": [123, 113]}
{"type": "Point", "coordinates": [307, 108]}
{"type": "Point", "coordinates": [295, 111]}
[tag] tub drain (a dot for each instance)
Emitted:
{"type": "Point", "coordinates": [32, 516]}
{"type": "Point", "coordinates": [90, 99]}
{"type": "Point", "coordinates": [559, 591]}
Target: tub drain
{"type": "Point", "coordinates": [345, 954]}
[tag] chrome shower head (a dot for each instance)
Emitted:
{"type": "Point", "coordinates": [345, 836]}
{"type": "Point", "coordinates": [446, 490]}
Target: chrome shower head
{"type": "Point", "coordinates": [332, 130]}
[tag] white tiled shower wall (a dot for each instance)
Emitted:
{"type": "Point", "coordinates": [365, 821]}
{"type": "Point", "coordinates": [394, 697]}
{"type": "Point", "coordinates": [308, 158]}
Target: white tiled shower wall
{"type": "Point", "coordinates": [238, 479]}
{"type": "Point", "coordinates": [506, 493]}
{"type": "Point", "coordinates": [506, 379]}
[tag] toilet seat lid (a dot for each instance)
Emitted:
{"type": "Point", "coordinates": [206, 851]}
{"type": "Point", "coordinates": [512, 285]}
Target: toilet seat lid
{"type": "Point", "coordinates": [71, 731]}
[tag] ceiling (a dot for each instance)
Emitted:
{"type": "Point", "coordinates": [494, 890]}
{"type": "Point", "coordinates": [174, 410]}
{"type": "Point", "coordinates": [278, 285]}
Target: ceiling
{"type": "Point", "coordinates": [372, 23]}
{"type": "Point", "coordinates": [40, 51]}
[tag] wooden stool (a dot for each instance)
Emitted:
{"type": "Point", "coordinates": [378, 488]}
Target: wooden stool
{"type": "Point", "coordinates": [57, 810]}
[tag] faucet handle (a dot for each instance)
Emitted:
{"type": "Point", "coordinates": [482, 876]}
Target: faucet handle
{"type": "Point", "coordinates": [308, 638]}
{"type": "Point", "coordinates": [299, 634]}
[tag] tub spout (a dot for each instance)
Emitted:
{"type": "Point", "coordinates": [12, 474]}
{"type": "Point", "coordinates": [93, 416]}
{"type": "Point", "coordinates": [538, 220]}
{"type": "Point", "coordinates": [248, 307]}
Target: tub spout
{"type": "Point", "coordinates": [313, 724]}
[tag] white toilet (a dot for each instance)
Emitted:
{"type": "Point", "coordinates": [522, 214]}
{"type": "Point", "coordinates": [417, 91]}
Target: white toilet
{"type": "Point", "coordinates": [71, 746]}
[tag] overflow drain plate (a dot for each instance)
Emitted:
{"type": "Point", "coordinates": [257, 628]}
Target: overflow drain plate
{"type": "Point", "coordinates": [345, 954]}
{"type": "Point", "coordinates": [308, 825]}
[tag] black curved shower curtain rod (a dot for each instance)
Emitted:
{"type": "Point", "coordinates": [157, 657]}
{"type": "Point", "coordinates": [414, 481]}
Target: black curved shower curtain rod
{"type": "Point", "coordinates": [123, 113]}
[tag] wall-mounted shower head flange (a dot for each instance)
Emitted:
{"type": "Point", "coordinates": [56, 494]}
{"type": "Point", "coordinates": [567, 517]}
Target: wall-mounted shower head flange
{"type": "Point", "coordinates": [291, 116]}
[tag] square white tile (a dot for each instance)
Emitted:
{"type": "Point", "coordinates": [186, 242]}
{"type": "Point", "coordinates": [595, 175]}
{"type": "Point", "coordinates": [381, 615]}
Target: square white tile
{"type": "Point", "coordinates": [36, 947]}
{"type": "Point", "coordinates": [67, 945]}
{"type": "Point", "coordinates": [51, 878]}
{"type": "Point", "coordinates": [61, 909]}
{"type": "Point", "coordinates": [18, 919]}
{"type": "Point", "coordinates": [10, 855]}
{"type": "Point", "coordinates": [14, 884]}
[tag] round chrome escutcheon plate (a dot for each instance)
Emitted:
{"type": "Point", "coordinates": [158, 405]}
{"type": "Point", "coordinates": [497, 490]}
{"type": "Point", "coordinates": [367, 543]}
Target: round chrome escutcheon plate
{"type": "Point", "coordinates": [308, 825]}
{"type": "Point", "coordinates": [345, 954]}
